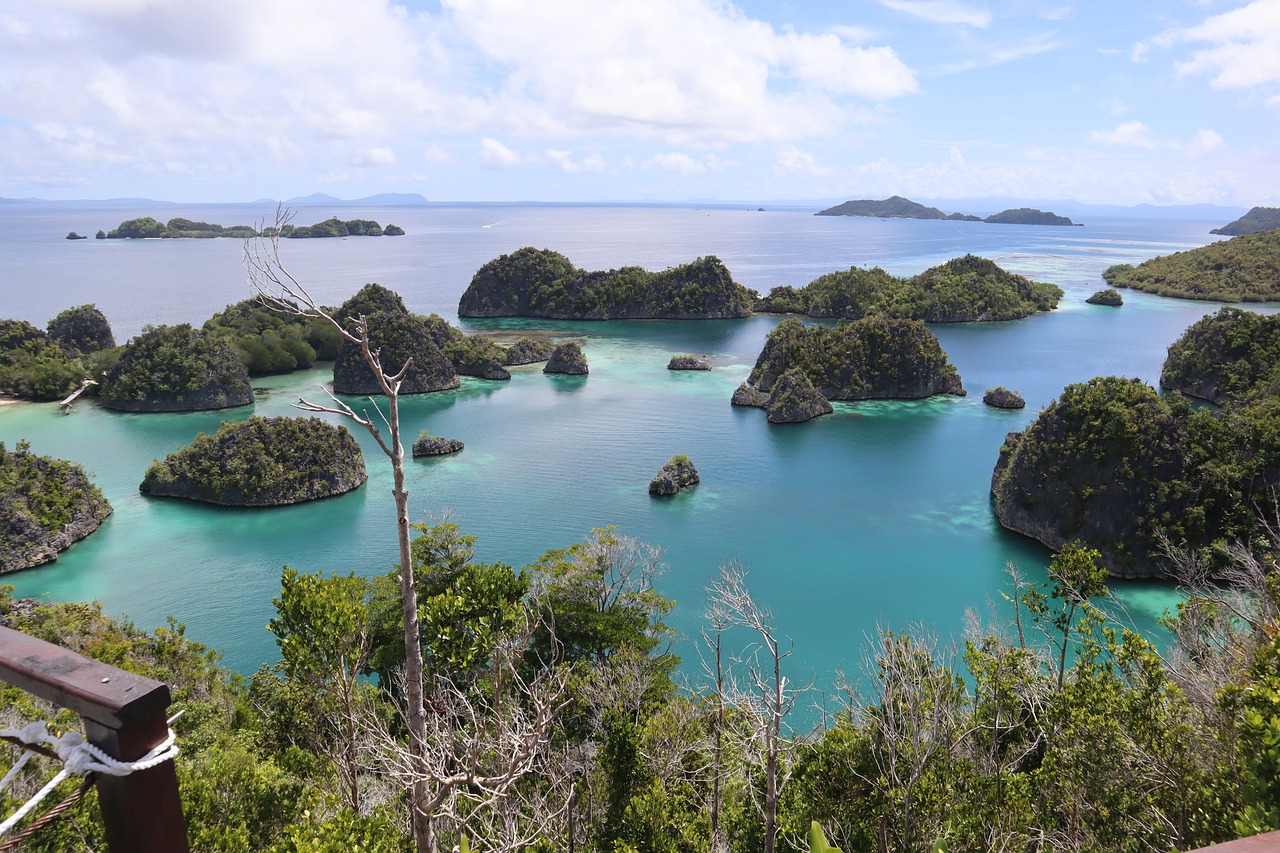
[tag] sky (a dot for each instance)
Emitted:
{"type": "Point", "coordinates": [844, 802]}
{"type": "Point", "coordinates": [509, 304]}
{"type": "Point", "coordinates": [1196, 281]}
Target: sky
{"type": "Point", "coordinates": [1123, 102]}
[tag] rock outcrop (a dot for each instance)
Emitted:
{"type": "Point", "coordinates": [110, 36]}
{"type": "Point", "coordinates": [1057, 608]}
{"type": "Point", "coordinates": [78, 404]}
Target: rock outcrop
{"type": "Point", "coordinates": [1226, 358]}
{"type": "Point", "coordinates": [745, 395]}
{"type": "Point", "coordinates": [400, 337]}
{"type": "Point", "coordinates": [46, 505]}
{"type": "Point", "coordinates": [176, 369]}
{"type": "Point", "coordinates": [872, 358]}
{"type": "Point", "coordinates": [687, 362]}
{"type": "Point", "coordinates": [567, 358]}
{"type": "Point", "coordinates": [679, 473]}
{"type": "Point", "coordinates": [528, 351]}
{"type": "Point", "coordinates": [261, 462]}
{"type": "Point", "coordinates": [541, 283]}
{"type": "Point", "coordinates": [1002, 398]}
{"type": "Point", "coordinates": [794, 399]}
{"type": "Point", "coordinates": [434, 445]}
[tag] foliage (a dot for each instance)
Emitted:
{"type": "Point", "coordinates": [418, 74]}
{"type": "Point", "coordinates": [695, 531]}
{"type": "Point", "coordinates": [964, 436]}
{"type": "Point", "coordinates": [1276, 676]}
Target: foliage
{"type": "Point", "coordinates": [1242, 269]}
{"type": "Point", "coordinates": [400, 336]}
{"type": "Point", "coordinates": [83, 329]}
{"type": "Point", "coordinates": [895, 207]}
{"type": "Point", "coordinates": [1106, 296]}
{"type": "Point", "coordinates": [961, 290]}
{"type": "Point", "coordinates": [34, 366]}
{"type": "Point", "coordinates": [335, 227]}
{"type": "Point", "coordinates": [268, 341]}
{"type": "Point", "coordinates": [176, 368]}
{"type": "Point", "coordinates": [542, 283]}
{"type": "Point", "coordinates": [1228, 357]}
{"type": "Point", "coordinates": [869, 358]}
{"type": "Point", "coordinates": [1027, 216]}
{"type": "Point", "coordinates": [261, 462]}
{"type": "Point", "coordinates": [45, 504]}
{"type": "Point", "coordinates": [371, 299]}
{"type": "Point", "coordinates": [1257, 219]}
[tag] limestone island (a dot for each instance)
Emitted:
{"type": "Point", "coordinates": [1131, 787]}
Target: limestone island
{"type": "Point", "coordinates": [875, 357]}
{"type": "Point", "coordinates": [71, 235]}
{"type": "Point", "coordinates": [179, 228]}
{"type": "Point", "coordinates": [176, 369]}
{"type": "Point", "coordinates": [1257, 219]}
{"type": "Point", "coordinates": [1227, 358]}
{"type": "Point", "coordinates": [1002, 398]}
{"type": "Point", "coordinates": [1107, 296]}
{"type": "Point", "coordinates": [46, 366]}
{"type": "Point", "coordinates": [568, 359]}
{"type": "Point", "coordinates": [399, 336]}
{"type": "Point", "coordinates": [528, 351]}
{"type": "Point", "coordinates": [1242, 269]}
{"type": "Point", "coordinates": [46, 505]}
{"type": "Point", "coordinates": [687, 362]}
{"type": "Point", "coordinates": [434, 445]}
{"type": "Point", "coordinates": [897, 207]}
{"type": "Point", "coordinates": [541, 283]}
{"type": "Point", "coordinates": [679, 473]}
{"type": "Point", "coordinates": [1129, 472]}
{"type": "Point", "coordinates": [261, 462]}
{"type": "Point", "coordinates": [962, 290]}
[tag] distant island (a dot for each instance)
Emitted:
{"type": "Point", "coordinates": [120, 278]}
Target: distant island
{"type": "Point", "coordinates": [897, 207]}
{"type": "Point", "coordinates": [179, 228]}
{"type": "Point", "coordinates": [1242, 269]}
{"type": "Point", "coordinates": [1257, 219]}
{"type": "Point", "coordinates": [962, 290]}
{"type": "Point", "coordinates": [542, 283]}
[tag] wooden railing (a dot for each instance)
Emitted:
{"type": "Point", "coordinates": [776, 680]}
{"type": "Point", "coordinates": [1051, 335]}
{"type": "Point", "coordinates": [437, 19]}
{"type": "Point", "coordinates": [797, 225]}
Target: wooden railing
{"type": "Point", "coordinates": [124, 716]}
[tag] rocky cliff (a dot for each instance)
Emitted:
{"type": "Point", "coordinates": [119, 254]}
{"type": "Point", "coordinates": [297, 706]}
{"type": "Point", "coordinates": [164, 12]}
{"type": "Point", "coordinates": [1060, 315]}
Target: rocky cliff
{"type": "Point", "coordinates": [46, 505]}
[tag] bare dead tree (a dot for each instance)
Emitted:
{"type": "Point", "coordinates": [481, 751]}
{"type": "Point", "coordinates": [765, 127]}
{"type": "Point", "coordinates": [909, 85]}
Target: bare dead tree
{"type": "Point", "coordinates": [281, 291]}
{"type": "Point", "coordinates": [766, 696]}
{"type": "Point", "coordinates": [483, 741]}
{"type": "Point", "coordinates": [713, 664]}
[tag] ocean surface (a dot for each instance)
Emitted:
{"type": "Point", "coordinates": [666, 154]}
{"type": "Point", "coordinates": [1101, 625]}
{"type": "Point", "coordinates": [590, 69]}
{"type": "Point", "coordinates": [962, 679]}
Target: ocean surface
{"type": "Point", "coordinates": [876, 516]}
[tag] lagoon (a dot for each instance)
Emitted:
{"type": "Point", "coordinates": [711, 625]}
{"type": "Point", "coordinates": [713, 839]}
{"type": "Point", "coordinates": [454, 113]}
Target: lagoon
{"type": "Point", "coordinates": [878, 515]}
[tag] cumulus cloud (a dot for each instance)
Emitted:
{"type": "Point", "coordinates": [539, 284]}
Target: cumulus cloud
{"type": "Point", "coordinates": [1205, 142]}
{"type": "Point", "coordinates": [1134, 134]}
{"type": "Point", "coordinates": [1238, 49]}
{"type": "Point", "coordinates": [677, 162]}
{"type": "Point", "coordinates": [567, 163]}
{"type": "Point", "coordinates": [380, 156]}
{"type": "Point", "coordinates": [791, 160]}
{"type": "Point", "coordinates": [942, 11]}
{"type": "Point", "coordinates": [495, 155]}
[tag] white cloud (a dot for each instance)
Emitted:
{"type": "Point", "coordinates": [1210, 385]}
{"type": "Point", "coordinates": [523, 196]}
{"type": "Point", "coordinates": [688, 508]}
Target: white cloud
{"type": "Point", "coordinates": [436, 155]}
{"type": "Point", "coordinates": [1243, 46]}
{"type": "Point", "coordinates": [1000, 54]}
{"type": "Point", "coordinates": [495, 155]}
{"type": "Point", "coordinates": [791, 160]}
{"type": "Point", "coordinates": [1205, 142]}
{"type": "Point", "coordinates": [678, 162]}
{"type": "Point", "coordinates": [1130, 133]}
{"type": "Point", "coordinates": [941, 11]}
{"type": "Point", "coordinates": [567, 163]}
{"type": "Point", "coordinates": [674, 69]}
{"type": "Point", "coordinates": [380, 156]}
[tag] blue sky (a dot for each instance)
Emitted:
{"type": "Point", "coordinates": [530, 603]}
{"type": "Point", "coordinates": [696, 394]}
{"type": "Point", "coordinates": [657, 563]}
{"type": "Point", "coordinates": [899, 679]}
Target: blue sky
{"type": "Point", "coordinates": [1167, 102]}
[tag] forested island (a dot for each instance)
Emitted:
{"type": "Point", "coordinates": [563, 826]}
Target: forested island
{"type": "Point", "coordinates": [1242, 269]}
{"type": "Point", "coordinates": [1131, 473]}
{"type": "Point", "coordinates": [876, 357]}
{"type": "Point", "coordinates": [897, 207]}
{"type": "Point", "coordinates": [541, 283]}
{"type": "Point", "coordinates": [180, 228]}
{"type": "Point", "coordinates": [967, 289]}
{"type": "Point", "coordinates": [46, 505]}
{"type": "Point", "coordinates": [1257, 219]}
{"type": "Point", "coordinates": [261, 462]}
{"type": "Point", "coordinates": [175, 369]}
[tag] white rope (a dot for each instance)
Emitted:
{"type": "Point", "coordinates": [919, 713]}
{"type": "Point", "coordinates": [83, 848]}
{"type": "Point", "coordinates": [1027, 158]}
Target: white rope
{"type": "Point", "coordinates": [78, 757]}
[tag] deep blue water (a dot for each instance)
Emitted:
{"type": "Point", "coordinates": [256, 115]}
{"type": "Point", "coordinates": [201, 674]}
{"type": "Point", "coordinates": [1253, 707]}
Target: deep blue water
{"type": "Point", "coordinates": [876, 516]}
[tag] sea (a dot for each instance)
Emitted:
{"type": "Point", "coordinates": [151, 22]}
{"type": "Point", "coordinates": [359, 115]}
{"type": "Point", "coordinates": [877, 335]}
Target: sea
{"type": "Point", "coordinates": [877, 517]}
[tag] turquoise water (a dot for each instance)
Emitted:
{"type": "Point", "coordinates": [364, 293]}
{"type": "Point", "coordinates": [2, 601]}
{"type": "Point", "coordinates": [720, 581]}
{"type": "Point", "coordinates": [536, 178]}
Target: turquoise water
{"type": "Point", "coordinates": [876, 515]}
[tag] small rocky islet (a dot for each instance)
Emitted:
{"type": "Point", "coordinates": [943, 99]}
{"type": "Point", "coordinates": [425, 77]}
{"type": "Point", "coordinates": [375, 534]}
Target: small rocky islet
{"type": "Point", "coordinates": [434, 445]}
{"type": "Point", "coordinates": [1002, 398]}
{"type": "Point", "coordinates": [678, 473]}
{"type": "Point", "coordinates": [567, 359]}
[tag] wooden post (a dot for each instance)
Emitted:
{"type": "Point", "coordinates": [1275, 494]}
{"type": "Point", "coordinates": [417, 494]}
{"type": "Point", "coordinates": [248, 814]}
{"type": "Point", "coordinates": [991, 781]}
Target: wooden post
{"type": "Point", "coordinates": [124, 715]}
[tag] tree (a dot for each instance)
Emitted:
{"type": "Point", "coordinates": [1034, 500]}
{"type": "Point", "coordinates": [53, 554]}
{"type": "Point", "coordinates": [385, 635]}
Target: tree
{"type": "Point", "coordinates": [280, 290]}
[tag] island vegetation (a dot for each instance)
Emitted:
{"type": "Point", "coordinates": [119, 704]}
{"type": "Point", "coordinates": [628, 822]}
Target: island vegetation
{"type": "Point", "coordinates": [567, 358]}
{"type": "Point", "coordinates": [1229, 357]}
{"type": "Point", "coordinates": [268, 341]}
{"type": "Point", "coordinates": [46, 505]}
{"type": "Point", "coordinates": [1257, 219]}
{"type": "Point", "coordinates": [966, 289]}
{"type": "Point", "coordinates": [876, 357]}
{"type": "Point", "coordinates": [1242, 269]}
{"type": "Point", "coordinates": [897, 207]}
{"type": "Point", "coordinates": [261, 462]}
{"type": "Point", "coordinates": [528, 351]}
{"type": "Point", "coordinates": [1001, 397]}
{"type": "Point", "coordinates": [794, 400]}
{"type": "Point", "coordinates": [541, 283]}
{"type": "Point", "coordinates": [685, 361]}
{"type": "Point", "coordinates": [1107, 296]}
{"type": "Point", "coordinates": [43, 366]}
{"type": "Point", "coordinates": [434, 445]}
{"type": "Point", "coordinates": [1054, 721]}
{"type": "Point", "coordinates": [175, 369]}
{"type": "Point", "coordinates": [181, 228]}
